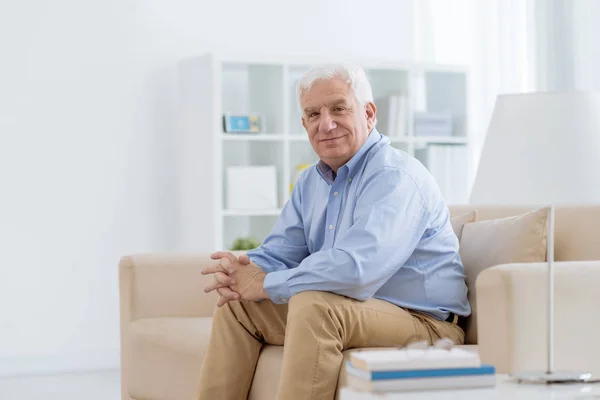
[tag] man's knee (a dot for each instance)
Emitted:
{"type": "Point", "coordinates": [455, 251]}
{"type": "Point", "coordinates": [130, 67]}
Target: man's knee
{"type": "Point", "coordinates": [313, 306]}
{"type": "Point", "coordinates": [313, 299]}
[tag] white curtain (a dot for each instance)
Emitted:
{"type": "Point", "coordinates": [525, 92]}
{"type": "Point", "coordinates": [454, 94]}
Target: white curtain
{"type": "Point", "coordinates": [493, 38]}
{"type": "Point", "coordinates": [568, 44]}
{"type": "Point", "coordinates": [511, 46]}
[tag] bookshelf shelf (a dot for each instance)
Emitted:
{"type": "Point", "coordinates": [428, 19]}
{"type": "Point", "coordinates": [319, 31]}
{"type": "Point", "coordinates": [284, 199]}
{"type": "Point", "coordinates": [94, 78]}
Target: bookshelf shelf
{"type": "Point", "coordinates": [424, 140]}
{"type": "Point", "coordinates": [298, 138]}
{"type": "Point", "coordinates": [212, 85]}
{"type": "Point", "coordinates": [260, 137]}
{"type": "Point", "coordinates": [251, 213]}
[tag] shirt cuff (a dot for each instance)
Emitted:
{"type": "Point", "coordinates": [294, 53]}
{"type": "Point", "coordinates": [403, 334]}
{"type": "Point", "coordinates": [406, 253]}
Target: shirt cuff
{"type": "Point", "coordinates": [276, 286]}
{"type": "Point", "coordinates": [258, 257]}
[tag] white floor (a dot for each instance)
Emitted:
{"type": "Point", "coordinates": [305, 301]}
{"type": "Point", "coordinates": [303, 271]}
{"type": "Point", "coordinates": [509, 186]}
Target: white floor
{"type": "Point", "coordinates": [101, 385]}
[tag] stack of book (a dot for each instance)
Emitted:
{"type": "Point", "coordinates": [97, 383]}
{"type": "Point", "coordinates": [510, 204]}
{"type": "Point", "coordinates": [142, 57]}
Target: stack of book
{"type": "Point", "coordinates": [417, 369]}
{"type": "Point", "coordinates": [432, 124]}
{"type": "Point", "coordinates": [392, 115]}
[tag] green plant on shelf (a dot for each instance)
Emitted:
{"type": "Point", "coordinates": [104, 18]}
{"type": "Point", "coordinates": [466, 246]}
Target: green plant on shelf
{"type": "Point", "coordinates": [245, 243]}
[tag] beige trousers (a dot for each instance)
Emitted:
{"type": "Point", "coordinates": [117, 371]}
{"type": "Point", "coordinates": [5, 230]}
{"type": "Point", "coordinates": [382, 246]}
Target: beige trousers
{"type": "Point", "coordinates": [314, 328]}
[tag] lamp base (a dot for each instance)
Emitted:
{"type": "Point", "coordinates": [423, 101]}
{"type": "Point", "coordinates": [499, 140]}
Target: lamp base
{"type": "Point", "coordinates": [552, 377]}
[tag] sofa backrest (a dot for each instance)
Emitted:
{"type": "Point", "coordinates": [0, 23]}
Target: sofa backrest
{"type": "Point", "coordinates": [576, 228]}
{"type": "Point", "coordinates": [576, 238]}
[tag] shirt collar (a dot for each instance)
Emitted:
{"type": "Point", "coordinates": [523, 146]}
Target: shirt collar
{"type": "Point", "coordinates": [352, 164]}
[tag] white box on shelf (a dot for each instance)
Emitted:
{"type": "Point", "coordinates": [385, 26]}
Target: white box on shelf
{"type": "Point", "coordinates": [252, 187]}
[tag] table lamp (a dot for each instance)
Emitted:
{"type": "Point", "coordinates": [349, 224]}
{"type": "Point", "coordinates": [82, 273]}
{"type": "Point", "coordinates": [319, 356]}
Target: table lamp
{"type": "Point", "coordinates": [542, 148]}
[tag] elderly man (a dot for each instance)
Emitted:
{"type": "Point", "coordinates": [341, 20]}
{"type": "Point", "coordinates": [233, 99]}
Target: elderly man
{"type": "Point", "coordinates": [363, 255]}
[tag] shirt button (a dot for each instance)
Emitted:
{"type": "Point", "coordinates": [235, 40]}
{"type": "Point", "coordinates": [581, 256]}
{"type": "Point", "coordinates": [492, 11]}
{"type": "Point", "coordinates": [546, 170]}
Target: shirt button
{"type": "Point", "coordinates": [330, 227]}
{"type": "Point", "coordinates": [335, 193]}
{"type": "Point", "coordinates": [350, 180]}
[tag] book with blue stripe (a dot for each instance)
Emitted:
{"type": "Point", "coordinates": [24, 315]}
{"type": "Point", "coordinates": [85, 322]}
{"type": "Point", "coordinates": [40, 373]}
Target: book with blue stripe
{"type": "Point", "coordinates": [483, 369]}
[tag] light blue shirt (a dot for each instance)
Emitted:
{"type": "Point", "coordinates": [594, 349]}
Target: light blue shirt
{"type": "Point", "coordinates": [380, 228]}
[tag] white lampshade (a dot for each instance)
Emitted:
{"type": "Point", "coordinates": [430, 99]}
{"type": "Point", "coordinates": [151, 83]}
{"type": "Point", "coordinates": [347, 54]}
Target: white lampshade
{"type": "Point", "coordinates": [541, 148]}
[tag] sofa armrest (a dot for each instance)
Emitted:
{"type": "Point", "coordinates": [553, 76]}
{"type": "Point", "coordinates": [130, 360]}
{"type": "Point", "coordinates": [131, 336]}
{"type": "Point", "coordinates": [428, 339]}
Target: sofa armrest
{"type": "Point", "coordinates": [512, 316]}
{"type": "Point", "coordinates": [160, 285]}
{"type": "Point", "coordinates": [165, 285]}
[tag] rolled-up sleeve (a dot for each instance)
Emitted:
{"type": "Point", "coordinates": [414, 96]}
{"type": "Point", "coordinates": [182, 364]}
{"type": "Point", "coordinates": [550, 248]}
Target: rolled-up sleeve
{"type": "Point", "coordinates": [390, 217]}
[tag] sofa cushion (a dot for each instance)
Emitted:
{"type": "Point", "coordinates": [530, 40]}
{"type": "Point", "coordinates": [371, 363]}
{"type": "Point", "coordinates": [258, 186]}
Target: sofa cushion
{"type": "Point", "coordinates": [520, 238]}
{"type": "Point", "coordinates": [166, 356]}
{"type": "Point", "coordinates": [268, 372]}
{"type": "Point", "coordinates": [458, 222]}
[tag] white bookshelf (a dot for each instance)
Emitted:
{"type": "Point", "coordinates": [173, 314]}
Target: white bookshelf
{"type": "Point", "coordinates": [211, 85]}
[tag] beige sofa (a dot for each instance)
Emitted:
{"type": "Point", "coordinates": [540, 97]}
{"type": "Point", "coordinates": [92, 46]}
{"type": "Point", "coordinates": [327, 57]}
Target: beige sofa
{"type": "Point", "coordinates": [166, 317]}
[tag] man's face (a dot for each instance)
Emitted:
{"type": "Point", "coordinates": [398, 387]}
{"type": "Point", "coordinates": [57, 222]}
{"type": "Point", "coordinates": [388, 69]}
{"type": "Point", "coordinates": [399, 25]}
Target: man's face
{"type": "Point", "coordinates": [336, 124]}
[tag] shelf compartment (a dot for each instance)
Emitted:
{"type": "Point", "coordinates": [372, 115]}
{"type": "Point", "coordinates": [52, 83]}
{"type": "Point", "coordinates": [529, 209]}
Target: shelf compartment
{"type": "Point", "coordinates": [256, 226]}
{"type": "Point", "coordinates": [254, 88]}
{"type": "Point", "coordinates": [254, 153]}
{"type": "Point", "coordinates": [447, 92]}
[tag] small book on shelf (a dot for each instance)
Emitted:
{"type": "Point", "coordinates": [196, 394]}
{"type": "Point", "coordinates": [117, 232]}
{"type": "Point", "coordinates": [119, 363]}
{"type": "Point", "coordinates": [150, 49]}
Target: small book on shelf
{"type": "Point", "coordinates": [392, 114]}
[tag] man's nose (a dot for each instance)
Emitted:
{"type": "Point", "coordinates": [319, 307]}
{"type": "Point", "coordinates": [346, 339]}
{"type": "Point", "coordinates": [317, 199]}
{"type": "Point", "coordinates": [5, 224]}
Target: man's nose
{"type": "Point", "coordinates": [326, 123]}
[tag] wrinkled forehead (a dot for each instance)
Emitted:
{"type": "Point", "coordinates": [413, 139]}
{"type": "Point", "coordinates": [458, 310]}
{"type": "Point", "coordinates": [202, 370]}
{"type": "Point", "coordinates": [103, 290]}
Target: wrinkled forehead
{"type": "Point", "coordinates": [326, 91]}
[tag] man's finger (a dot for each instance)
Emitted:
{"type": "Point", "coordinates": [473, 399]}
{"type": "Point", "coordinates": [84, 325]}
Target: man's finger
{"type": "Point", "coordinates": [222, 301]}
{"type": "Point", "coordinates": [212, 269]}
{"type": "Point", "coordinates": [215, 285]}
{"type": "Point", "coordinates": [228, 294]}
{"type": "Point", "coordinates": [244, 259]}
{"type": "Point", "coordinates": [227, 265]}
{"type": "Point", "coordinates": [225, 279]}
{"type": "Point", "coordinates": [223, 254]}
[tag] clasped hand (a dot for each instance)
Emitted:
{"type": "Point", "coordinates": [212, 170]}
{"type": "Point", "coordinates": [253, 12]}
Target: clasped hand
{"type": "Point", "coordinates": [235, 279]}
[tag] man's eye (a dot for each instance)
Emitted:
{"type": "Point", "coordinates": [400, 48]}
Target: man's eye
{"type": "Point", "coordinates": [312, 114]}
{"type": "Point", "coordinates": [339, 109]}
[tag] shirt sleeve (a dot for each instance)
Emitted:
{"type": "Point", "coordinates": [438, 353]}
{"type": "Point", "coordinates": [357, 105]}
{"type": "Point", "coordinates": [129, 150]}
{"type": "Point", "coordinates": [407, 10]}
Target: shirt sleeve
{"type": "Point", "coordinates": [285, 247]}
{"type": "Point", "coordinates": [388, 222]}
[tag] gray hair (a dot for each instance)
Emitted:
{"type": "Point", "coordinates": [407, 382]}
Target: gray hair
{"type": "Point", "coordinates": [353, 75]}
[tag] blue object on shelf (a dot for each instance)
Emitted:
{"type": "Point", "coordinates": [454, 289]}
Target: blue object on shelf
{"type": "Point", "coordinates": [239, 123]}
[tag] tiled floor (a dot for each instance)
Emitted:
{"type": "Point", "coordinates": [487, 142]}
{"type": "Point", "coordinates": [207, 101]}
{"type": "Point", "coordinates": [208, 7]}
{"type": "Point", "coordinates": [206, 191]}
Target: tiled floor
{"type": "Point", "coordinates": [102, 385]}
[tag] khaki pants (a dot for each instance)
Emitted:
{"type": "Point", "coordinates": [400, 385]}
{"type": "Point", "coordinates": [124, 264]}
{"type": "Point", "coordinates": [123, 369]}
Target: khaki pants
{"type": "Point", "coordinates": [314, 328]}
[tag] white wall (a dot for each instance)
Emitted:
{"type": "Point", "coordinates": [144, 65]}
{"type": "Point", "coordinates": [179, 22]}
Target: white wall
{"type": "Point", "coordinates": [87, 112]}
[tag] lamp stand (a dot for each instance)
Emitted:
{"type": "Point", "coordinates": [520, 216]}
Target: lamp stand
{"type": "Point", "coordinates": [550, 375]}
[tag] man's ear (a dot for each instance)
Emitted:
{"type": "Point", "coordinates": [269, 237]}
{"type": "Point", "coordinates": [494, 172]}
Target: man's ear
{"type": "Point", "coordinates": [303, 123]}
{"type": "Point", "coordinates": [371, 113]}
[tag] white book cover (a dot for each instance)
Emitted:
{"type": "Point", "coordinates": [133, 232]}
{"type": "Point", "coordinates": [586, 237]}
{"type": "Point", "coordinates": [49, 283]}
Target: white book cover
{"type": "Point", "coordinates": [400, 112]}
{"type": "Point", "coordinates": [404, 385]}
{"type": "Point", "coordinates": [391, 115]}
{"type": "Point", "coordinates": [411, 359]}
